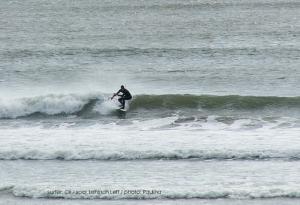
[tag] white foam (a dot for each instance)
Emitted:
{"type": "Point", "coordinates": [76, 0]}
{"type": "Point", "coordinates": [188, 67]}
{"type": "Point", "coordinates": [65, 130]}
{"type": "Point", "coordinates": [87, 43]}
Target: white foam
{"type": "Point", "coordinates": [114, 142]}
{"type": "Point", "coordinates": [106, 107]}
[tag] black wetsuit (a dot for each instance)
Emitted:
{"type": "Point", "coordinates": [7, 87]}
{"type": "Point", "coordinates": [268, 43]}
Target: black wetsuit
{"type": "Point", "coordinates": [125, 96]}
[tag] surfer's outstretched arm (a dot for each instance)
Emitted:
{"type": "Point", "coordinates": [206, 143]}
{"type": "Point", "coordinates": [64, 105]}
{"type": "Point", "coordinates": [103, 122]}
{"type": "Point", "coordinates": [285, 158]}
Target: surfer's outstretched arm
{"type": "Point", "coordinates": [115, 94]}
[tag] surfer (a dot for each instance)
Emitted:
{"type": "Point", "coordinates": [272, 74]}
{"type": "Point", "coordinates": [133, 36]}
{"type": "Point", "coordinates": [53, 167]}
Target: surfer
{"type": "Point", "coordinates": [124, 96]}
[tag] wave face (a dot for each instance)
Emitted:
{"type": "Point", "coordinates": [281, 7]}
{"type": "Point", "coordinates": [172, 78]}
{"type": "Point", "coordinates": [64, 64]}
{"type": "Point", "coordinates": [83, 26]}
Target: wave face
{"type": "Point", "coordinates": [213, 102]}
{"type": "Point", "coordinates": [72, 104]}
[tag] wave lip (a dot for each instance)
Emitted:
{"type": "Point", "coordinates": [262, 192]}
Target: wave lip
{"type": "Point", "coordinates": [47, 105]}
{"type": "Point", "coordinates": [151, 155]}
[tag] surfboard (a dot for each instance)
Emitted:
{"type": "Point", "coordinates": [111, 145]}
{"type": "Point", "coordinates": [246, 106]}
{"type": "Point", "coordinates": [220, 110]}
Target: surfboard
{"type": "Point", "coordinates": [118, 108]}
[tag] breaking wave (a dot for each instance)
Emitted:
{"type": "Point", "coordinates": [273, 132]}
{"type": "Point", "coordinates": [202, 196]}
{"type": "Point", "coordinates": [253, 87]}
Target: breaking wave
{"type": "Point", "coordinates": [144, 193]}
{"type": "Point", "coordinates": [74, 104]}
{"type": "Point", "coordinates": [47, 105]}
{"type": "Point", "coordinates": [150, 155]}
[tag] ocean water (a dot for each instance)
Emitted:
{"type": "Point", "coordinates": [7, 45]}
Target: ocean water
{"type": "Point", "coordinates": [215, 114]}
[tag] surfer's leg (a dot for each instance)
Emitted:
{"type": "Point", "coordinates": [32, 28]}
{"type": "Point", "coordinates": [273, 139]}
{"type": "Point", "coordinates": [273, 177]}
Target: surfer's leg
{"type": "Point", "coordinates": [123, 104]}
{"type": "Point", "coordinates": [122, 101]}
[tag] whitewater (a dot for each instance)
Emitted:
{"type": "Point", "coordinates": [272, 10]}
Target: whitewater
{"type": "Point", "coordinates": [214, 117]}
